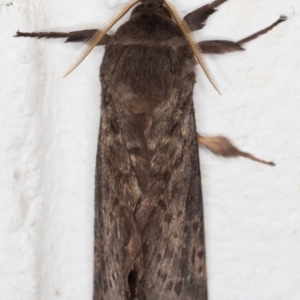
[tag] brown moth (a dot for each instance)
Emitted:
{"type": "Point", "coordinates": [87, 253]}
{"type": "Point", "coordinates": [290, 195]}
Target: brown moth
{"type": "Point", "coordinates": [149, 231]}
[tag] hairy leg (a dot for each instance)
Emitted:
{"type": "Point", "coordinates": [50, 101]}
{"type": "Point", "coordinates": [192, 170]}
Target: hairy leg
{"type": "Point", "coordinates": [221, 146]}
{"type": "Point", "coordinates": [195, 20]}
{"type": "Point", "coordinates": [222, 46]}
{"type": "Point", "coordinates": [74, 36]}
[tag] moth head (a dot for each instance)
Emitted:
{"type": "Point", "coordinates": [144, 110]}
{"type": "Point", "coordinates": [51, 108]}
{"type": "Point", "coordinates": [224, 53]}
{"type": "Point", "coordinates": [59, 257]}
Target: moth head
{"type": "Point", "coordinates": [153, 2]}
{"type": "Point", "coordinates": [152, 6]}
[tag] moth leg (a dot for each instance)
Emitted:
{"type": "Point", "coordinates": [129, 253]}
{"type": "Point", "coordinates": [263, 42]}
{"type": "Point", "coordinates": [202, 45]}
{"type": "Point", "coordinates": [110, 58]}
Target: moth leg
{"type": "Point", "coordinates": [222, 46]}
{"type": "Point", "coordinates": [195, 20]}
{"type": "Point", "coordinates": [221, 146]}
{"type": "Point", "coordinates": [73, 36]}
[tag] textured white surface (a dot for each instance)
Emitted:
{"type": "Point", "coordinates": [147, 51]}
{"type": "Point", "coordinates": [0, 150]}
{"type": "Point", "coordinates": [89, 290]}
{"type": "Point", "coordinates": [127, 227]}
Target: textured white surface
{"type": "Point", "coordinates": [49, 129]}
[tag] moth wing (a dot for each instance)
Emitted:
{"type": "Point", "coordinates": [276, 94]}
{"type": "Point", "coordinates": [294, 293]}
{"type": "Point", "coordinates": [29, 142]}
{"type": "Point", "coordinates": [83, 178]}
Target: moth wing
{"type": "Point", "coordinates": [111, 235]}
{"type": "Point", "coordinates": [175, 252]}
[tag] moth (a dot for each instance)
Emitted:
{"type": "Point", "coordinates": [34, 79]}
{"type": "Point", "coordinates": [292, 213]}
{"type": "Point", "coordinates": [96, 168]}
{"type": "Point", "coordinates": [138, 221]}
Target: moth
{"type": "Point", "coordinates": [149, 230]}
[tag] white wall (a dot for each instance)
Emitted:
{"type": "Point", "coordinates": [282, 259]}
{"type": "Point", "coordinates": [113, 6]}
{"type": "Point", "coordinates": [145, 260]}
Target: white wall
{"type": "Point", "coordinates": [49, 129]}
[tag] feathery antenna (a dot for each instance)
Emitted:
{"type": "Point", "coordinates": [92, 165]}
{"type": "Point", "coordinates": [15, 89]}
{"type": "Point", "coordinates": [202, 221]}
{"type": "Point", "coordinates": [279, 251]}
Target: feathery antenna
{"type": "Point", "coordinates": [100, 34]}
{"type": "Point", "coordinates": [195, 47]}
